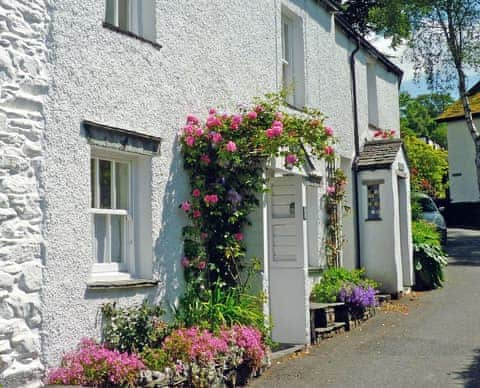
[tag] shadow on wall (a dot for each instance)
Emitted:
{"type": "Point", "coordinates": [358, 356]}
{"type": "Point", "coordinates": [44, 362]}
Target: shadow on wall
{"type": "Point", "coordinates": [168, 247]}
{"type": "Point", "coordinates": [470, 376]}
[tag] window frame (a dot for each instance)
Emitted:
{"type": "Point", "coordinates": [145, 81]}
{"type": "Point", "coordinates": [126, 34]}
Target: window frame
{"type": "Point", "coordinates": [374, 215]}
{"type": "Point", "coordinates": [127, 267]}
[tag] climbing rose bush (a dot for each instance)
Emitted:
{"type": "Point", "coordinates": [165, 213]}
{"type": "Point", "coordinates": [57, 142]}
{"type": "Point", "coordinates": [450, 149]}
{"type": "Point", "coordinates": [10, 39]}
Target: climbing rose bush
{"type": "Point", "coordinates": [225, 157]}
{"type": "Point", "coordinates": [93, 364]}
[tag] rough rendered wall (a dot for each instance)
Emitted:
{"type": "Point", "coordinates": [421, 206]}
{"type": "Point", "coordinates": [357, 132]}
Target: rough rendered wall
{"type": "Point", "coordinates": [23, 58]}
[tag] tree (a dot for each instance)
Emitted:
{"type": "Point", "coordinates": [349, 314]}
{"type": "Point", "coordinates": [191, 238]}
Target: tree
{"type": "Point", "coordinates": [428, 167]}
{"type": "Point", "coordinates": [417, 116]}
{"type": "Point", "coordinates": [443, 35]}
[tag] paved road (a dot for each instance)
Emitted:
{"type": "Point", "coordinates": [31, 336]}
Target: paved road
{"type": "Point", "coordinates": [437, 344]}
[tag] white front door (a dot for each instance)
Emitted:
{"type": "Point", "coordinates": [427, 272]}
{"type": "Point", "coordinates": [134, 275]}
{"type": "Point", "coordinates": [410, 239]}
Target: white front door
{"type": "Point", "coordinates": [288, 260]}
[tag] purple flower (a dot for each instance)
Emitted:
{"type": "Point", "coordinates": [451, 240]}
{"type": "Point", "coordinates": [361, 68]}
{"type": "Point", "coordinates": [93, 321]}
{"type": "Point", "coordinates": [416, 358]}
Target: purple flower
{"type": "Point", "coordinates": [233, 196]}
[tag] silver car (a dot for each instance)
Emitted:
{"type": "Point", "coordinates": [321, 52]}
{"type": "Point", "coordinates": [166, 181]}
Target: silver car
{"type": "Point", "coordinates": [431, 213]}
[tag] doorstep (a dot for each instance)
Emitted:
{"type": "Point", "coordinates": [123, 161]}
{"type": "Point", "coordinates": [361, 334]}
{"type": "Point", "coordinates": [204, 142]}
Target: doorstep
{"type": "Point", "coordinates": [286, 350]}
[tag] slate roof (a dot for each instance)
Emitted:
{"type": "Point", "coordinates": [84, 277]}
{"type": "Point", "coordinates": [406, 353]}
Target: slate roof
{"type": "Point", "coordinates": [379, 154]}
{"type": "Point", "coordinates": [456, 112]}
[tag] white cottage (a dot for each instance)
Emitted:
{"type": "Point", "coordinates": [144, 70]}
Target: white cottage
{"type": "Point", "coordinates": [92, 89]}
{"type": "Point", "coordinates": [464, 208]}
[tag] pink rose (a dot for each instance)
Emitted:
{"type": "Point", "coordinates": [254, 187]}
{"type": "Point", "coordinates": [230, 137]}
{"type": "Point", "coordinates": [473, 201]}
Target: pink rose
{"type": "Point", "coordinates": [216, 137]}
{"type": "Point", "coordinates": [196, 214]}
{"type": "Point", "coordinates": [205, 159]}
{"type": "Point", "coordinates": [199, 132]}
{"type": "Point", "coordinates": [211, 198]}
{"type": "Point", "coordinates": [213, 121]}
{"type": "Point", "coordinates": [277, 131]}
{"type": "Point", "coordinates": [203, 235]}
{"type": "Point", "coordinates": [279, 116]}
{"type": "Point", "coordinates": [329, 131]}
{"type": "Point", "coordinates": [330, 189]}
{"type": "Point", "coordinates": [191, 119]}
{"type": "Point", "coordinates": [186, 206]}
{"type": "Point", "coordinates": [329, 150]}
{"type": "Point", "coordinates": [190, 141]}
{"type": "Point", "coordinates": [196, 193]}
{"type": "Point", "coordinates": [252, 115]}
{"type": "Point", "coordinates": [188, 129]}
{"type": "Point", "coordinates": [259, 108]}
{"type": "Point", "coordinates": [231, 146]}
{"type": "Point", "coordinates": [212, 111]}
{"type": "Point", "coordinates": [270, 133]}
{"type": "Point", "coordinates": [236, 121]}
{"type": "Point", "coordinates": [291, 159]}
{"type": "Point", "coordinates": [238, 236]}
{"type": "Point", "coordinates": [202, 265]}
{"type": "Point", "coordinates": [185, 262]}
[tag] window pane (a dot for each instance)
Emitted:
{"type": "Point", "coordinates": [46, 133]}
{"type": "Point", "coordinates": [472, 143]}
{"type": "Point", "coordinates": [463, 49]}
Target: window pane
{"type": "Point", "coordinates": [122, 183]}
{"type": "Point", "coordinates": [105, 184]}
{"type": "Point", "coordinates": [100, 225]}
{"type": "Point", "coordinates": [118, 241]}
{"type": "Point", "coordinates": [123, 14]}
{"type": "Point", "coordinates": [110, 11]}
{"type": "Point", "coordinates": [286, 42]}
{"type": "Point", "coordinates": [93, 182]}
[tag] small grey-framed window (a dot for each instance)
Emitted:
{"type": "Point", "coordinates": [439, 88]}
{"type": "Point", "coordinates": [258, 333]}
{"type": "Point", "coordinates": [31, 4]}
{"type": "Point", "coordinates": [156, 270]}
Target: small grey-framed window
{"type": "Point", "coordinates": [373, 202]}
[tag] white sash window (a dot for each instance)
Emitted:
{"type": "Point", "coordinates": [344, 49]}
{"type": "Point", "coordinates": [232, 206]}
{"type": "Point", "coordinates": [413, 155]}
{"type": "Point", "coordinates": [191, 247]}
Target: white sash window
{"type": "Point", "coordinates": [135, 16]}
{"type": "Point", "coordinates": [112, 216]}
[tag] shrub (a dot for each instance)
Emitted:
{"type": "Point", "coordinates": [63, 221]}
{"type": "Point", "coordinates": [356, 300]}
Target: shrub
{"type": "Point", "coordinates": [424, 232]}
{"type": "Point", "coordinates": [430, 261]}
{"type": "Point", "coordinates": [155, 359]}
{"type": "Point", "coordinates": [95, 365]}
{"type": "Point", "coordinates": [334, 279]}
{"type": "Point", "coordinates": [249, 342]}
{"type": "Point", "coordinates": [220, 307]}
{"type": "Point", "coordinates": [131, 329]}
{"type": "Point", "coordinates": [358, 296]}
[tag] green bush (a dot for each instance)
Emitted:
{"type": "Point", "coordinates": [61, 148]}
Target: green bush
{"type": "Point", "coordinates": [131, 329]}
{"type": "Point", "coordinates": [155, 359]}
{"type": "Point", "coordinates": [334, 279]}
{"type": "Point", "coordinates": [424, 232]}
{"type": "Point", "coordinates": [220, 307]}
{"type": "Point", "coordinates": [430, 261]}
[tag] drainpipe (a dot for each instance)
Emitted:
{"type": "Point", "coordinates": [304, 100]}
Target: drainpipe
{"type": "Point", "coordinates": [357, 152]}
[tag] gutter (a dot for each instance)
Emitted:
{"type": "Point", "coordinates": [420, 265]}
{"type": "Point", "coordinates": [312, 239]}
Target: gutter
{"type": "Point", "coordinates": [357, 153]}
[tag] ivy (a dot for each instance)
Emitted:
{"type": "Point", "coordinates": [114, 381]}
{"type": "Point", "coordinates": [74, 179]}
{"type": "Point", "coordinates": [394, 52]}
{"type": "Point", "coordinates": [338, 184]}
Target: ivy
{"type": "Point", "coordinates": [225, 158]}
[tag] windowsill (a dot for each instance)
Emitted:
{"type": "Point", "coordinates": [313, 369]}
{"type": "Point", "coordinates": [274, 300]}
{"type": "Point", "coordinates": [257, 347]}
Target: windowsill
{"type": "Point", "coordinates": [373, 219]}
{"type": "Point", "coordinates": [120, 283]}
{"type": "Point", "coordinates": [295, 107]}
{"type": "Point", "coordinates": [131, 34]}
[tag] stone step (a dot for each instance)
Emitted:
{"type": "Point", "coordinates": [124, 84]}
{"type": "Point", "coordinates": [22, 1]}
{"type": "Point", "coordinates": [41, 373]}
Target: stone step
{"type": "Point", "coordinates": [383, 298]}
{"type": "Point", "coordinates": [330, 331]}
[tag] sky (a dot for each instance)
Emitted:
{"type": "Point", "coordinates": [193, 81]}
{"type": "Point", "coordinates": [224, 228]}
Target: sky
{"type": "Point", "coordinates": [398, 57]}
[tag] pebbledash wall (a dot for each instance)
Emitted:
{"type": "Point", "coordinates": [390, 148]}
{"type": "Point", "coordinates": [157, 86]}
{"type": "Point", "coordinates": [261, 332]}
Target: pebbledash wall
{"type": "Point", "coordinates": [212, 54]}
{"type": "Point", "coordinates": [24, 81]}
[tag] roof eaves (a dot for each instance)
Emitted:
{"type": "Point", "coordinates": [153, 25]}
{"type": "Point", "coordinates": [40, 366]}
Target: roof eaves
{"type": "Point", "coordinates": [372, 50]}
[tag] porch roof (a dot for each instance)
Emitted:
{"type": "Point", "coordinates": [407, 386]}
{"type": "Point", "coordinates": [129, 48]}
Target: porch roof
{"type": "Point", "coordinates": [379, 154]}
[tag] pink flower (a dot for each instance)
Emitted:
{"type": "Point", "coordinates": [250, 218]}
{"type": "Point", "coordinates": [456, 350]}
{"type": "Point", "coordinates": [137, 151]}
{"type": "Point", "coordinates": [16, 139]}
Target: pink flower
{"type": "Point", "coordinates": [259, 108]}
{"type": "Point", "coordinates": [196, 193]}
{"type": "Point", "coordinates": [202, 265]}
{"type": "Point", "coordinates": [205, 159]}
{"type": "Point", "coordinates": [211, 198]}
{"type": "Point", "coordinates": [329, 131]}
{"type": "Point", "coordinates": [270, 133]}
{"type": "Point", "coordinates": [185, 262]}
{"type": "Point", "coordinates": [252, 115]}
{"type": "Point", "coordinates": [188, 129]}
{"type": "Point", "coordinates": [191, 119]}
{"type": "Point", "coordinates": [330, 189]}
{"type": "Point", "coordinates": [238, 236]}
{"type": "Point", "coordinates": [236, 121]}
{"type": "Point", "coordinates": [329, 150]}
{"type": "Point", "coordinates": [279, 116]}
{"type": "Point", "coordinates": [377, 134]}
{"type": "Point", "coordinates": [190, 140]}
{"type": "Point", "coordinates": [197, 214]}
{"type": "Point", "coordinates": [231, 146]}
{"type": "Point", "coordinates": [216, 137]}
{"type": "Point", "coordinates": [291, 159]}
{"type": "Point", "coordinates": [203, 235]}
{"type": "Point", "coordinates": [199, 132]}
{"type": "Point", "coordinates": [212, 111]}
{"type": "Point", "coordinates": [186, 206]}
{"type": "Point", "coordinates": [213, 121]}
{"type": "Point", "coordinates": [277, 130]}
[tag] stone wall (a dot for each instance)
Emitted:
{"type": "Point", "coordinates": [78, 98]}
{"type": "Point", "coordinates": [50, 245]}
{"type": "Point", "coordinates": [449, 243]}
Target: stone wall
{"type": "Point", "coordinates": [24, 84]}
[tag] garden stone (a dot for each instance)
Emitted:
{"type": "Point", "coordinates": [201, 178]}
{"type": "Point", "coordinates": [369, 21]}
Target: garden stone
{"type": "Point", "coordinates": [31, 279]}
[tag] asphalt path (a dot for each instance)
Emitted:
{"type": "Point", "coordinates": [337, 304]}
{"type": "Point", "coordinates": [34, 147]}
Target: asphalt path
{"type": "Point", "coordinates": [430, 339]}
